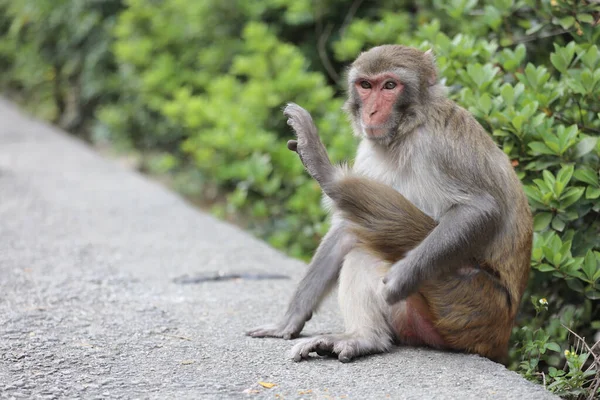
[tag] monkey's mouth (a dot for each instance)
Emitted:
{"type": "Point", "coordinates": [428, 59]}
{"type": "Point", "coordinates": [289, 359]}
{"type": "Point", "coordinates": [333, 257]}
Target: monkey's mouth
{"type": "Point", "coordinates": [375, 131]}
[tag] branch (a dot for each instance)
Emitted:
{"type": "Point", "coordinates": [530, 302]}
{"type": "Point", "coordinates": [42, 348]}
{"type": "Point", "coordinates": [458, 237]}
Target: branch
{"type": "Point", "coordinates": [322, 41]}
{"type": "Point", "coordinates": [580, 126]}
{"type": "Point", "coordinates": [532, 38]}
{"type": "Point", "coordinates": [351, 11]}
{"type": "Point", "coordinates": [323, 53]}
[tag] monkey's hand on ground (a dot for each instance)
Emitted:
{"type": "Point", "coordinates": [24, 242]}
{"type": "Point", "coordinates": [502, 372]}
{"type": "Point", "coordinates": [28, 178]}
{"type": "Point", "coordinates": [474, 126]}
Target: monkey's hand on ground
{"type": "Point", "coordinates": [309, 147]}
{"type": "Point", "coordinates": [289, 328]}
{"type": "Point", "coordinates": [399, 283]}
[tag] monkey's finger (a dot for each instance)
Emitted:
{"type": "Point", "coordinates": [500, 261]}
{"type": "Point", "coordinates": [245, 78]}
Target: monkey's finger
{"type": "Point", "coordinates": [294, 110]}
{"type": "Point", "coordinates": [265, 331]}
{"type": "Point", "coordinates": [345, 356]}
{"type": "Point", "coordinates": [288, 336]}
{"type": "Point", "coordinates": [300, 351]}
{"type": "Point", "coordinates": [292, 145]}
{"type": "Point", "coordinates": [298, 116]}
{"type": "Point", "coordinates": [260, 333]}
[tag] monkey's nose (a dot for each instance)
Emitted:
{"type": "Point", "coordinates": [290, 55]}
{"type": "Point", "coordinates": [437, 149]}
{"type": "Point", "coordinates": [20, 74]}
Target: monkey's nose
{"type": "Point", "coordinates": [372, 113]}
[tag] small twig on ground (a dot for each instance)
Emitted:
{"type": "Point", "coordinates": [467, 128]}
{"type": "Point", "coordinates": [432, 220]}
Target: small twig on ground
{"type": "Point", "coordinates": [175, 336]}
{"type": "Point", "coordinates": [544, 379]}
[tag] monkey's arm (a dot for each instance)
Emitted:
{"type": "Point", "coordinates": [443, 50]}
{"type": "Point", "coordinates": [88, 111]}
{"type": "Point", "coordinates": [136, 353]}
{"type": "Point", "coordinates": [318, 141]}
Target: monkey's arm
{"type": "Point", "coordinates": [322, 274]}
{"type": "Point", "coordinates": [460, 234]}
{"type": "Point", "coordinates": [327, 261]}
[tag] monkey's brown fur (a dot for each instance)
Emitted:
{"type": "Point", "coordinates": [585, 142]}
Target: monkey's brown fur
{"type": "Point", "coordinates": [472, 309]}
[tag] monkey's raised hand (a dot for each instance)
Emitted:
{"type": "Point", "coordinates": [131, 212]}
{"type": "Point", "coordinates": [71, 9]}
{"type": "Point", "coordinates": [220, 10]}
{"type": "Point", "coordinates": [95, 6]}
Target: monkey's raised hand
{"type": "Point", "coordinates": [309, 147]}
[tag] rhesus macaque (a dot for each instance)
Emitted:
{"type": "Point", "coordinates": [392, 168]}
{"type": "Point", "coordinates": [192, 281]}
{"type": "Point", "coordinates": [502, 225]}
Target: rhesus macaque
{"type": "Point", "coordinates": [431, 232]}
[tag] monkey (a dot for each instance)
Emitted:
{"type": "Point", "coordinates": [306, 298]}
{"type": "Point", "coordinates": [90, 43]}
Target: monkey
{"type": "Point", "coordinates": [431, 232]}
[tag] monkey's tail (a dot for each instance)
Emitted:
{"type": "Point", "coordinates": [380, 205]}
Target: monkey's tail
{"type": "Point", "coordinates": [383, 220]}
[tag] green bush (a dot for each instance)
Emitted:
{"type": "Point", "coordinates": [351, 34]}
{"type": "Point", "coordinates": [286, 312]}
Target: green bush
{"type": "Point", "coordinates": [61, 70]}
{"type": "Point", "coordinates": [198, 87]}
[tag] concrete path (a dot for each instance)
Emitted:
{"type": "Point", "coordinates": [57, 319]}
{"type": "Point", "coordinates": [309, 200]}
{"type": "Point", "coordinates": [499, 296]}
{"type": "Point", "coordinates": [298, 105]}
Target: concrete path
{"type": "Point", "coordinates": [96, 300]}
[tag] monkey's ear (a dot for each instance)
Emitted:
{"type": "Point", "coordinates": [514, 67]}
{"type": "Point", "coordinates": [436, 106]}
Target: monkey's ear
{"type": "Point", "coordinates": [432, 78]}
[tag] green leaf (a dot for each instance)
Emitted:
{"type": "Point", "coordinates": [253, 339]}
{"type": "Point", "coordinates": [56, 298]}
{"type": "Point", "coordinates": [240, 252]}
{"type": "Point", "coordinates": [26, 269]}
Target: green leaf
{"type": "Point", "coordinates": [587, 18]}
{"type": "Point", "coordinates": [587, 175]}
{"type": "Point", "coordinates": [558, 62]}
{"type": "Point", "coordinates": [541, 221]}
{"type": "Point", "coordinates": [590, 267]}
{"type": "Point", "coordinates": [576, 285]}
{"type": "Point", "coordinates": [553, 346]}
{"type": "Point", "coordinates": [537, 120]}
{"type": "Point", "coordinates": [485, 103]}
{"type": "Point", "coordinates": [508, 94]}
{"type": "Point", "coordinates": [576, 86]}
{"type": "Point", "coordinates": [571, 196]}
{"type": "Point", "coordinates": [566, 22]}
{"type": "Point", "coordinates": [562, 56]}
{"type": "Point", "coordinates": [565, 174]}
{"type": "Point", "coordinates": [592, 193]}
{"type": "Point", "coordinates": [533, 193]}
{"type": "Point", "coordinates": [545, 268]}
{"type": "Point", "coordinates": [518, 121]}
{"type": "Point", "coordinates": [520, 52]}
{"type": "Point", "coordinates": [590, 57]}
{"type": "Point", "coordinates": [569, 215]}
{"type": "Point", "coordinates": [558, 224]}
{"type": "Point", "coordinates": [536, 254]}
{"type": "Point", "coordinates": [544, 187]}
{"type": "Point", "coordinates": [549, 179]}
{"type": "Point", "coordinates": [549, 253]}
{"type": "Point", "coordinates": [592, 295]}
{"type": "Point", "coordinates": [566, 137]}
{"type": "Point", "coordinates": [583, 358]}
{"type": "Point", "coordinates": [585, 145]}
{"type": "Point", "coordinates": [540, 148]}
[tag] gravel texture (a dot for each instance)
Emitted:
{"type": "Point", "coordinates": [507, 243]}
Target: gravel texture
{"type": "Point", "coordinates": [106, 292]}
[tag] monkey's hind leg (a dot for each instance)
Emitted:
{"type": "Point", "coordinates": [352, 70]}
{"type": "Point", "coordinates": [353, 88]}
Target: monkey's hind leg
{"type": "Point", "coordinates": [364, 310]}
{"type": "Point", "coordinates": [472, 312]}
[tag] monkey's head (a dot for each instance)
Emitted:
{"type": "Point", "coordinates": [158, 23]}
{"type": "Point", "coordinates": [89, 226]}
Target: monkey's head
{"type": "Point", "coordinates": [387, 85]}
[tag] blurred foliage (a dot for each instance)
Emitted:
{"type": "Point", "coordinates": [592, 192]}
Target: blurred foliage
{"type": "Point", "coordinates": [61, 68]}
{"type": "Point", "coordinates": [198, 87]}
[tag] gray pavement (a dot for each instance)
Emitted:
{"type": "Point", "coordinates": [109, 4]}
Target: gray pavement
{"type": "Point", "coordinates": [93, 302]}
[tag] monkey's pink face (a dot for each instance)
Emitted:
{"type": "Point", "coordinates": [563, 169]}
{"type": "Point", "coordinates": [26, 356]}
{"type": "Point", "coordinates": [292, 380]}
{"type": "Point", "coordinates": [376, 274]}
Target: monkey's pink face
{"type": "Point", "coordinates": [378, 94]}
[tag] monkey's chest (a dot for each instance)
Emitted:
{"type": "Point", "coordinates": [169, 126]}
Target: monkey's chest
{"type": "Point", "coordinates": [418, 186]}
{"type": "Point", "coordinates": [411, 173]}
{"type": "Point", "coordinates": [421, 193]}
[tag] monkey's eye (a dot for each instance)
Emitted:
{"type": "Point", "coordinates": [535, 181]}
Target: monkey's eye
{"type": "Point", "coordinates": [365, 85]}
{"type": "Point", "coordinates": [389, 85]}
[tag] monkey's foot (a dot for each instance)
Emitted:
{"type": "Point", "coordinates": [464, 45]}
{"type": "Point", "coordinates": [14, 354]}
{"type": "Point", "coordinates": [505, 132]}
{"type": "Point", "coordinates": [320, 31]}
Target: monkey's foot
{"type": "Point", "coordinates": [309, 147]}
{"type": "Point", "coordinates": [345, 347]}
